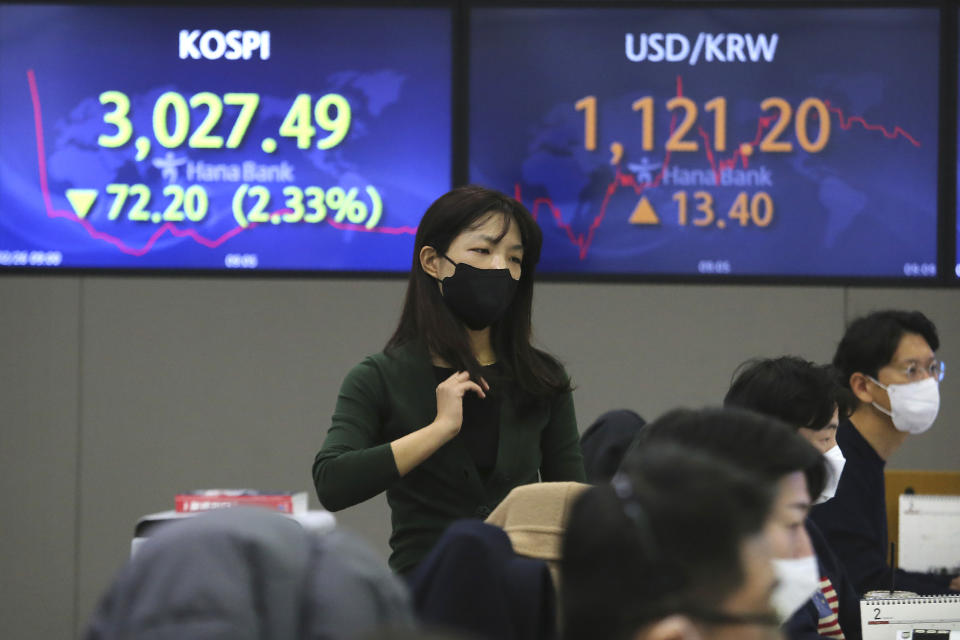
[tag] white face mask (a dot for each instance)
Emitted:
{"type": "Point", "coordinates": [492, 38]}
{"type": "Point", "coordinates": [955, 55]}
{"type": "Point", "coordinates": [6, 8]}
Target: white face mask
{"type": "Point", "coordinates": [913, 405]}
{"type": "Point", "coordinates": [834, 462]}
{"type": "Point", "coordinates": [799, 579]}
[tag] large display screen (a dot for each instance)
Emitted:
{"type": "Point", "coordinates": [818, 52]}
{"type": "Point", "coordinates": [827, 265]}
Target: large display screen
{"type": "Point", "coordinates": [273, 138]}
{"type": "Point", "coordinates": [683, 141]}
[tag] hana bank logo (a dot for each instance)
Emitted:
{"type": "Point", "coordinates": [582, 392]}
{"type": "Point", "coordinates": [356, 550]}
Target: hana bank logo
{"type": "Point", "coordinates": [232, 45]}
{"type": "Point", "coordinates": [714, 47]}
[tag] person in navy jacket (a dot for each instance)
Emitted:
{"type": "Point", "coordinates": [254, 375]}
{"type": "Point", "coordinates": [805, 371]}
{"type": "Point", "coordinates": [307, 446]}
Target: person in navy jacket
{"type": "Point", "coordinates": [888, 361]}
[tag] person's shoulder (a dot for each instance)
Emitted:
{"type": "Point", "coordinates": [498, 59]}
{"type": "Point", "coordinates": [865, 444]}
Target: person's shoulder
{"type": "Point", "coordinates": [395, 362]}
{"type": "Point", "coordinates": [364, 375]}
{"type": "Point", "coordinates": [553, 383]}
{"type": "Point", "coordinates": [849, 440]}
{"type": "Point", "coordinates": [859, 454]}
{"type": "Point", "coordinates": [369, 365]}
{"type": "Point", "coordinates": [550, 362]}
{"type": "Point", "coordinates": [370, 377]}
{"type": "Point", "coordinates": [404, 355]}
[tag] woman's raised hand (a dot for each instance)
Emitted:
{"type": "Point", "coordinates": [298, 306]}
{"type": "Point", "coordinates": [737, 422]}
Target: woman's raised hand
{"type": "Point", "coordinates": [415, 447]}
{"type": "Point", "coordinates": [450, 399]}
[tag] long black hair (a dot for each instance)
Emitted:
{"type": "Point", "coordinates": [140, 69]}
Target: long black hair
{"type": "Point", "coordinates": [426, 317]}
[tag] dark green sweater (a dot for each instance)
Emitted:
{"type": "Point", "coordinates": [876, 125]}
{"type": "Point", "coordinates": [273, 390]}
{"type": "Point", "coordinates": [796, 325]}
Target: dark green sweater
{"type": "Point", "coordinates": [386, 397]}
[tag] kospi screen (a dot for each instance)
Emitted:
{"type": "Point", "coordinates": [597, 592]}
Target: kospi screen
{"type": "Point", "coordinates": [190, 137]}
{"type": "Point", "coordinates": [790, 142]}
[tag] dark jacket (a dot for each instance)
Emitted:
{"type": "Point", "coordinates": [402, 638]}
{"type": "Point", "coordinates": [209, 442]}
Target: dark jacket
{"type": "Point", "coordinates": [854, 522]}
{"type": "Point", "coordinates": [473, 581]}
{"type": "Point", "coordinates": [386, 397]}
{"type": "Point", "coordinates": [606, 441]}
{"type": "Point", "coordinates": [249, 574]}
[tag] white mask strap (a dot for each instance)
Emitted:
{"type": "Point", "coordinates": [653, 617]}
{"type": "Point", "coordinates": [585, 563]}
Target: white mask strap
{"type": "Point", "coordinates": [885, 388]}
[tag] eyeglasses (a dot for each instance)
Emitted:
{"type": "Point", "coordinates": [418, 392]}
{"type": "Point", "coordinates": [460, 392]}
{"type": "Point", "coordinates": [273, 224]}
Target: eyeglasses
{"type": "Point", "coordinates": [915, 371]}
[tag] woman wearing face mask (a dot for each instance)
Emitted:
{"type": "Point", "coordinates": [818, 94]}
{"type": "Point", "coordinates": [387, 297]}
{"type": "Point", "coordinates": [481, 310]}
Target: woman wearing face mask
{"type": "Point", "coordinates": [808, 398]}
{"type": "Point", "coordinates": [778, 457]}
{"type": "Point", "coordinates": [459, 408]}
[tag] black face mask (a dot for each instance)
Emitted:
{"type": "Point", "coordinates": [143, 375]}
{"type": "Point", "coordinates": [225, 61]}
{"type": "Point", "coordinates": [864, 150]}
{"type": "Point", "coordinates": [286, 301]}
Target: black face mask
{"type": "Point", "coordinates": [479, 297]}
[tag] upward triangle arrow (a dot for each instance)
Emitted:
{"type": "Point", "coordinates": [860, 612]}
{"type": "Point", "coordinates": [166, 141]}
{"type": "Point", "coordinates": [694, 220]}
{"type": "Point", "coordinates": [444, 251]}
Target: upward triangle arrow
{"type": "Point", "coordinates": [644, 213]}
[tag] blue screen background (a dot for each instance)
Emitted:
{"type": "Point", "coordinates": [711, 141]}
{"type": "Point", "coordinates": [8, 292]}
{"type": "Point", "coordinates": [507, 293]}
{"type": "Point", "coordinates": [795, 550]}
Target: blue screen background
{"type": "Point", "coordinates": [392, 65]}
{"type": "Point", "coordinates": [864, 206]}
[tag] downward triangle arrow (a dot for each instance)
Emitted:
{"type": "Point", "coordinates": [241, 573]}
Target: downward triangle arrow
{"type": "Point", "coordinates": [82, 200]}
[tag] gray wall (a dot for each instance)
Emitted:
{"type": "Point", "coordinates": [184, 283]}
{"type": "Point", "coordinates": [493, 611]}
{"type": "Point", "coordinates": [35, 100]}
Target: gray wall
{"type": "Point", "coordinates": [120, 392]}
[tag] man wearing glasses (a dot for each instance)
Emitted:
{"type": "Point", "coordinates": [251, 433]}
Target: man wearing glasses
{"type": "Point", "coordinates": [887, 360]}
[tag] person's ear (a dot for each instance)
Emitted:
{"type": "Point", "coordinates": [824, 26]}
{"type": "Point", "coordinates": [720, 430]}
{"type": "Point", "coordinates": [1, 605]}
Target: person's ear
{"type": "Point", "coordinates": [675, 627]}
{"type": "Point", "coordinates": [429, 259]}
{"type": "Point", "coordinates": [860, 385]}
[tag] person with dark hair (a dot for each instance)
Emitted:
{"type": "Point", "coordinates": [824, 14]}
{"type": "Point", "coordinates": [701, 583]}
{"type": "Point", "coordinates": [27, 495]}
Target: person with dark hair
{"type": "Point", "coordinates": [672, 548]}
{"type": "Point", "coordinates": [804, 395]}
{"type": "Point", "coordinates": [248, 573]}
{"type": "Point", "coordinates": [459, 408]}
{"type": "Point", "coordinates": [775, 455]}
{"type": "Point", "coordinates": [888, 361]}
{"type": "Point", "coordinates": [808, 398]}
{"type": "Point", "coordinates": [606, 441]}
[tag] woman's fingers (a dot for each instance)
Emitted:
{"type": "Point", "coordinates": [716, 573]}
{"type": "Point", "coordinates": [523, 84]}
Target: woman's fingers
{"type": "Point", "coordinates": [460, 383]}
{"type": "Point", "coordinates": [473, 386]}
{"type": "Point", "coordinates": [457, 376]}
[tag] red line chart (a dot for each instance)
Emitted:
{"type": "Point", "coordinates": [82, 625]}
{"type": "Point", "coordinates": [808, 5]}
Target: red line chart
{"type": "Point", "coordinates": [580, 240]}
